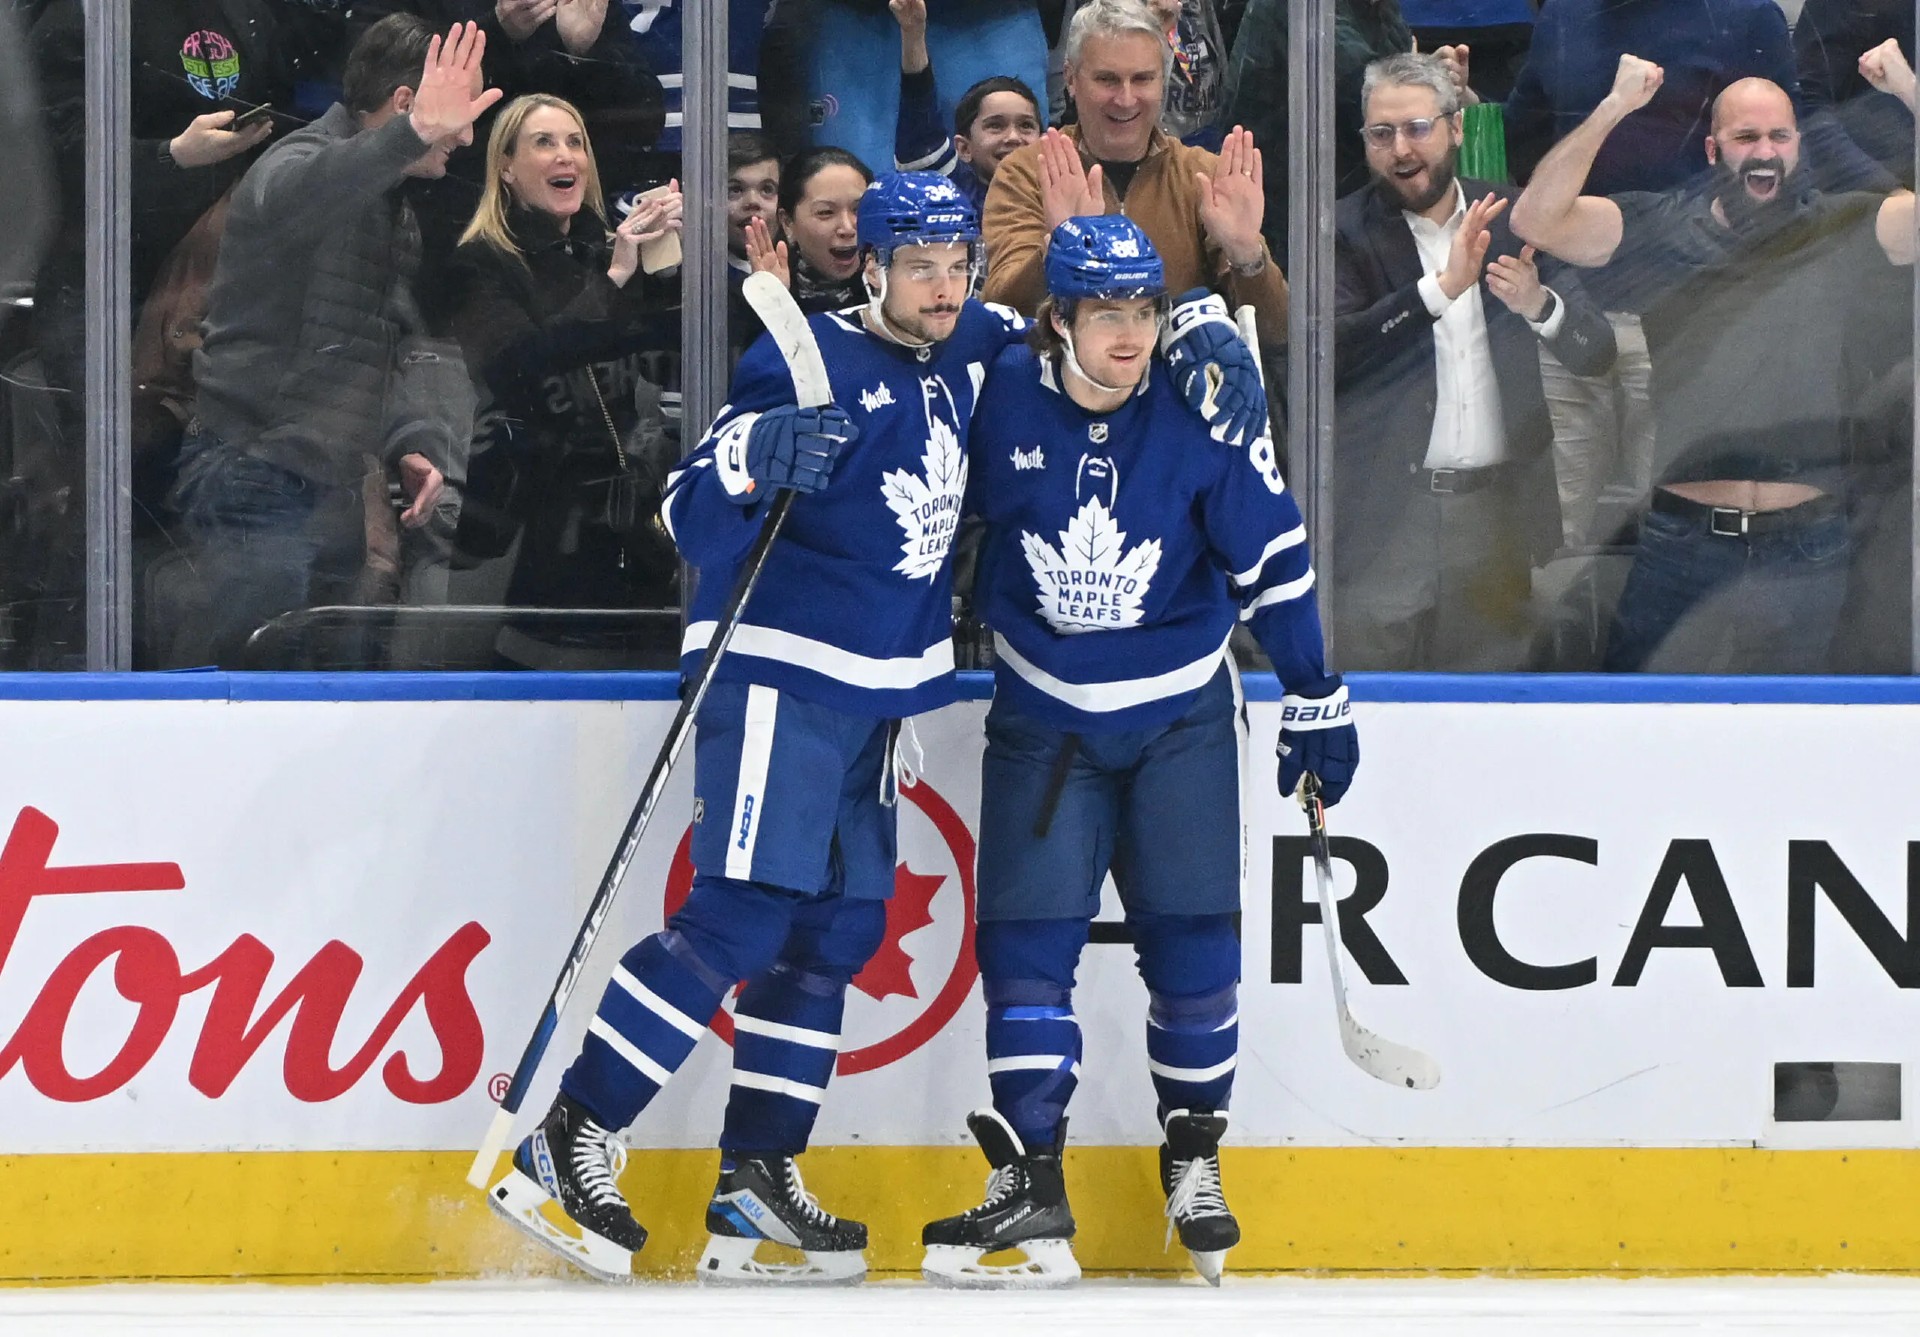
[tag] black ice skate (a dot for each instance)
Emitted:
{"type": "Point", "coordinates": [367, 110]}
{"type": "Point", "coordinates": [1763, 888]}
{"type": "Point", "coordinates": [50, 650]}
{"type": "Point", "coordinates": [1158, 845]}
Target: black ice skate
{"type": "Point", "coordinates": [764, 1199]}
{"type": "Point", "coordinates": [571, 1165]}
{"type": "Point", "coordinates": [1026, 1209]}
{"type": "Point", "coordinates": [1190, 1177]}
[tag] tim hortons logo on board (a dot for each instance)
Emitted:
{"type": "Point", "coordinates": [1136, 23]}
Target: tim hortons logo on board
{"type": "Point", "coordinates": [147, 973]}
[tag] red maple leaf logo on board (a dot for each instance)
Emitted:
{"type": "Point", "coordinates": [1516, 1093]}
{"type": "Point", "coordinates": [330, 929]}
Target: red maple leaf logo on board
{"type": "Point", "coordinates": [890, 971]}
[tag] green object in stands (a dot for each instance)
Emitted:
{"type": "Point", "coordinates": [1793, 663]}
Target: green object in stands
{"type": "Point", "coordinates": [1483, 155]}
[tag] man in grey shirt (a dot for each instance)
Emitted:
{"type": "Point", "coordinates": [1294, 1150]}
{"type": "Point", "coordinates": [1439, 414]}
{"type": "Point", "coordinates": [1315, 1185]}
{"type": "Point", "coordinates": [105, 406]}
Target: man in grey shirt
{"type": "Point", "coordinates": [318, 380]}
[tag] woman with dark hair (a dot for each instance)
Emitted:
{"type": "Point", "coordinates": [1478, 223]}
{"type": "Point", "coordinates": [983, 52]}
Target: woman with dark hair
{"type": "Point", "coordinates": [553, 313]}
{"type": "Point", "coordinates": [820, 194]}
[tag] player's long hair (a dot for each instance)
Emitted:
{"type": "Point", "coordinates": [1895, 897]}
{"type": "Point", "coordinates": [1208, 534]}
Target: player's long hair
{"type": "Point", "coordinates": [490, 219]}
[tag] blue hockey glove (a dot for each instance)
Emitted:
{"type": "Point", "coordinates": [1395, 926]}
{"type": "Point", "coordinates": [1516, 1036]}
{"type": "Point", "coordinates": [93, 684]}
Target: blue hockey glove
{"type": "Point", "coordinates": [1317, 734]}
{"type": "Point", "coordinates": [788, 446]}
{"type": "Point", "coordinates": [1213, 369]}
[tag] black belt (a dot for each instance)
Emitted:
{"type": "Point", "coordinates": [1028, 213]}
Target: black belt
{"type": "Point", "coordinates": [1459, 482]}
{"type": "Point", "coordinates": [1733, 522]}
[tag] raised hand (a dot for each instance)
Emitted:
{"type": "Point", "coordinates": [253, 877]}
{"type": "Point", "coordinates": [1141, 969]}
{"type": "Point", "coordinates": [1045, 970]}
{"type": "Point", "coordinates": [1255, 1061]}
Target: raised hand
{"type": "Point", "coordinates": [579, 23]}
{"type": "Point", "coordinates": [450, 97]}
{"type": "Point", "coordinates": [1635, 81]}
{"type": "Point", "coordinates": [1887, 69]}
{"type": "Point", "coordinates": [1456, 58]}
{"type": "Point", "coordinates": [911, 15]}
{"type": "Point", "coordinates": [1469, 250]}
{"type": "Point", "coordinates": [766, 255]}
{"type": "Point", "coordinates": [520, 19]}
{"type": "Point", "coordinates": [1233, 199]}
{"type": "Point", "coordinates": [206, 140]}
{"type": "Point", "coordinates": [1067, 189]}
{"type": "Point", "coordinates": [1515, 280]}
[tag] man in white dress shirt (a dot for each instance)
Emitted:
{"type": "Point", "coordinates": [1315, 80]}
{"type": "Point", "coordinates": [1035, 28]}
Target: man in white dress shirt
{"type": "Point", "coordinates": [1444, 495]}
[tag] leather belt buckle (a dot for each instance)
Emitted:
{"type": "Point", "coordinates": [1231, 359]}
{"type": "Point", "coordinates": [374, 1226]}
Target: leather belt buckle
{"type": "Point", "coordinates": [1728, 521]}
{"type": "Point", "coordinates": [1442, 481]}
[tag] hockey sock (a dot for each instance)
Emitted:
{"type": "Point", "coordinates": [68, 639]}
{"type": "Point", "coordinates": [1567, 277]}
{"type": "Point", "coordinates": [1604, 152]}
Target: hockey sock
{"type": "Point", "coordinates": [787, 1026]}
{"type": "Point", "coordinates": [655, 1009]}
{"type": "Point", "coordinates": [786, 1039]}
{"type": "Point", "coordinates": [1191, 965]}
{"type": "Point", "coordinates": [1192, 1049]}
{"type": "Point", "coordinates": [1033, 1056]}
{"type": "Point", "coordinates": [664, 993]}
{"type": "Point", "coordinates": [1033, 1039]}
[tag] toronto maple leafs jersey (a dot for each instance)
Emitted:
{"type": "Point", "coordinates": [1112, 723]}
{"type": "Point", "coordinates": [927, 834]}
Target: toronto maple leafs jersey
{"type": "Point", "coordinates": [854, 609]}
{"type": "Point", "coordinates": [1123, 547]}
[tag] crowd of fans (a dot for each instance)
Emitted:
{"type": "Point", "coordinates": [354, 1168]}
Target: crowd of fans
{"type": "Point", "coordinates": [1623, 341]}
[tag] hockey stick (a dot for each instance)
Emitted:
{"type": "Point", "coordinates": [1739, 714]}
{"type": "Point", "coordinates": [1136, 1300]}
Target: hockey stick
{"type": "Point", "coordinates": [1394, 1064]}
{"type": "Point", "coordinates": [776, 308]}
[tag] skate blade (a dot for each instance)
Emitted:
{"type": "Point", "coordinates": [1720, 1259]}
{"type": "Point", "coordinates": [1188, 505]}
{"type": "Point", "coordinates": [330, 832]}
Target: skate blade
{"type": "Point", "coordinates": [1048, 1264]}
{"type": "Point", "coordinates": [519, 1201]}
{"type": "Point", "coordinates": [1209, 1263]}
{"type": "Point", "coordinates": [730, 1261]}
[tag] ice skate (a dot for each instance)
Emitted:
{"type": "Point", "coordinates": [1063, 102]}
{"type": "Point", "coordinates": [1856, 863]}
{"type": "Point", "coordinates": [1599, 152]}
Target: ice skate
{"type": "Point", "coordinates": [1025, 1210]}
{"type": "Point", "coordinates": [762, 1200]}
{"type": "Point", "coordinates": [1196, 1205]}
{"type": "Point", "coordinates": [564, 1191]}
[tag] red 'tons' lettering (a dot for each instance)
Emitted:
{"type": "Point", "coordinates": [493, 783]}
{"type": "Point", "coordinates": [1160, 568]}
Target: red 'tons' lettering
{"type": "Point", "coordinates": [147, 974]}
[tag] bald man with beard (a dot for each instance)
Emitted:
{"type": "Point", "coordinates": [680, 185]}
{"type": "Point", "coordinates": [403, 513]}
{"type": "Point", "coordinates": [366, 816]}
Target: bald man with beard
{"type": "Point", "coordinates": [1753, 290]}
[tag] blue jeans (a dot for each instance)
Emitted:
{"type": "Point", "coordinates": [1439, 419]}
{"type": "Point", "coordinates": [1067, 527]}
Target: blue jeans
{"type": "Point", "coordinates": [262, 541]}
{"type": "Point", "coordinates": [858, 108]}
{"type": "Point", "coordinates": [1701, 602]}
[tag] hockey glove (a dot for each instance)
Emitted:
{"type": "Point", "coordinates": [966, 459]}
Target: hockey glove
{"type": "Point", "coordinates": [1317, 734]}
{"type": "Point", "coordinates": [788, 446]}
{"type": "Point", "coordinates": [1213, 370]}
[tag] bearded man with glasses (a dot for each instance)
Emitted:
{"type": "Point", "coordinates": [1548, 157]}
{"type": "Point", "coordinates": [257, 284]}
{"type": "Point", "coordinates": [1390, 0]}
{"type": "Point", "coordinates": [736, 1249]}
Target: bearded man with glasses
{"type": "Point", "coordinates": [1443, 481]}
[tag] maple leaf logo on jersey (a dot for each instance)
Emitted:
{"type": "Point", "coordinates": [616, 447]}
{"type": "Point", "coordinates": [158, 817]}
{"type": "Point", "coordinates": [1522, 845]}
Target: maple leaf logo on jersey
{"type": "Point", "coordinates": [1091, 582]}
{"type": "Point", "coordinates": [927, 504]}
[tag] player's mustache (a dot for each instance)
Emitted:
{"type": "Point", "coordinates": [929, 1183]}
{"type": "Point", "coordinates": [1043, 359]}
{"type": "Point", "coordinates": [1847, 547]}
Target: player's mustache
{"type": "Point", "coordinates": [942, 310]}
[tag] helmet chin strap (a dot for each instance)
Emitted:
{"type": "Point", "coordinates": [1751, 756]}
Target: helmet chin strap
{"type": "Point", "coordinates": [1073, 365]}
{"type": "Point", "coordinates": [877, 313]}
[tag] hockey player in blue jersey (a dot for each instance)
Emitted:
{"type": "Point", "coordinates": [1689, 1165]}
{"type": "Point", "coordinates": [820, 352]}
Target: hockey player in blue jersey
{"type": "Point", "coordinates": [848, 632]}
{"type": "Point", "coordinates": [1122, 547]}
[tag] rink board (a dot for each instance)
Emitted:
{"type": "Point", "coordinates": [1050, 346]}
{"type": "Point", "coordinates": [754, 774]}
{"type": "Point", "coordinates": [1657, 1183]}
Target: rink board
{"type": "Point", "coordinates": [265, 950]}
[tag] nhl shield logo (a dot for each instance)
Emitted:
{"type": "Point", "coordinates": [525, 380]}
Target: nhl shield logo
{"type": "Point", "coordinates": [1097, 432]}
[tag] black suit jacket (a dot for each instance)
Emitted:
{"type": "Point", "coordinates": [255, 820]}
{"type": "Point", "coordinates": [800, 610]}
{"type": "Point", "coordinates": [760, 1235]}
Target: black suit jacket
{"type": "Point", "coordinates": [1384, 370]}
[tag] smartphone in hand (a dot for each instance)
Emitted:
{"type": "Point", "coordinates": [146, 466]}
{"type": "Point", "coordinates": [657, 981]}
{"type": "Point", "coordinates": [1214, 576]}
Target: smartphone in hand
{"type": "Point", "coordinates": [663, 252]}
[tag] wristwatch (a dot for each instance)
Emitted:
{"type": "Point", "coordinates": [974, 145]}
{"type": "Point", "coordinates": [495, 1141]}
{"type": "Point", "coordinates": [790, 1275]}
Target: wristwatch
{"type": "Point", "coordinates": [1252, 267]}
{"type": "Point", "coordinates": [166, 154]}
{"type": "Point", "coordinates": [1546, 312]}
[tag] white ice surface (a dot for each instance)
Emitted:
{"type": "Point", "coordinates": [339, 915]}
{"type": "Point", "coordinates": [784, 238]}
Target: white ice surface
{"type": "Point", "coordinates": [1282, 1307]}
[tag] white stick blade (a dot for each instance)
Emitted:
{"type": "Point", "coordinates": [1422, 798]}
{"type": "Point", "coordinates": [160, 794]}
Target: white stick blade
{"type": "Point", "coordinates": [1394, 1064]}
{"type": "Point", "coordinates": [787, 324]}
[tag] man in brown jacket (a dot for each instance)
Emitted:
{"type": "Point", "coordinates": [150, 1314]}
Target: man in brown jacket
{"type": "Point", "coordinates": [1203, 212]}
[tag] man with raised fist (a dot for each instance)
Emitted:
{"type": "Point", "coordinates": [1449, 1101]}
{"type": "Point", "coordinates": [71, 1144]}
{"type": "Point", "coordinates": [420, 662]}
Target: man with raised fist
{"type": "Point", "coordinates": [1743, 553]}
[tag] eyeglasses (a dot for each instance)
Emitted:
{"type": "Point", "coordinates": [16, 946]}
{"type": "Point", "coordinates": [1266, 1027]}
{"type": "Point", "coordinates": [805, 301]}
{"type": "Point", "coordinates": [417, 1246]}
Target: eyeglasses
{"type": "Point", "coordinates": [1418, 131]}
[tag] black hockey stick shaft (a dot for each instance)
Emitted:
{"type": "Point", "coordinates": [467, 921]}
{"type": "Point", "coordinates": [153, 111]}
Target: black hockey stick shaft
{"type": "Point", "coordinates": [623, 855]}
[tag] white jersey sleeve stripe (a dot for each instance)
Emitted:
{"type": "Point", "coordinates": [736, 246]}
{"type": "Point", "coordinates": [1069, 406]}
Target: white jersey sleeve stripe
{"type": "Point", "coordinates": [1103, 697]}
{"type": "Point", "coordinates": [1293, 538]}
{"type": "Point", "coordinates": [1279, 594]}
{"type": "Point", "coordinates": [845, 666]}
{"type": "Point", "coordinates": [750, 793]}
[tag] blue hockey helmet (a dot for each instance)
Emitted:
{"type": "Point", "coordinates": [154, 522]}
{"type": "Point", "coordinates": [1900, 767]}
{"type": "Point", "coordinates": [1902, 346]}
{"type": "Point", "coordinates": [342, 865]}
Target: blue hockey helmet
{"type": "Point", "coordinates": [915, 209]}
{"type": "Point", "coordinates": [1107, 255]}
